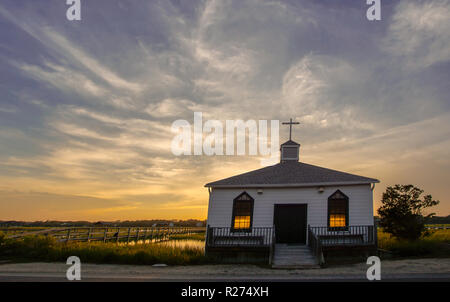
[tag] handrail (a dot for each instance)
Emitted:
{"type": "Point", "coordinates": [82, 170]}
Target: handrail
{"type": "Point", "coordinates": [315, 245]}
{"type": "Point", "coordinates": [272, 246]}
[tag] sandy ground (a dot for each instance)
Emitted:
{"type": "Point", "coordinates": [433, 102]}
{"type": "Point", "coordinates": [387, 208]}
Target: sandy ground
{"type": "Point", "coordinates": [405, 268]}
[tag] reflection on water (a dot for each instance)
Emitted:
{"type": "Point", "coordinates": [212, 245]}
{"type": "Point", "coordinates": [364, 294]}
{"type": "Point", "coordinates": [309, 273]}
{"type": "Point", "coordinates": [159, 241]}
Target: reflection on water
{"type": "Point", "coordinates": [184, 243]}
{"type": "Point", "coordinates": [172, 243]}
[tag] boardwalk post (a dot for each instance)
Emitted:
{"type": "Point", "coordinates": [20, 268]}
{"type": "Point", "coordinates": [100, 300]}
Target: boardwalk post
{"type": "Point", "coordinates": [68, 235]}
{"type": "Point", "coordinates": [207, 236]}
{"type": "Point", "coordinates": [89, 235]}
{"type": "Point", "coordinates": [118, 234]}
{"type": "Point", "coordinates": [128, 237]}
{"type": "Point", "coordinates": [104, 235]}
{"type": "Point", "coordinates": [137, 235]}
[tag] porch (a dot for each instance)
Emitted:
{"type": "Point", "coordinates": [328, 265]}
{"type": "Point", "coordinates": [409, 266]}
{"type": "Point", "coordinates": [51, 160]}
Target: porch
{"type": "Point", "coordinates": [254, 245]}
{"type": "Point", "coordinates": [262, 240]}
{"type": "Point", "coordinates": [322, 239]}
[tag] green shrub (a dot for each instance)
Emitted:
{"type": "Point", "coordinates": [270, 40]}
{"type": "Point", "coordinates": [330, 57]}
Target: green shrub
{"type": "Point", "coordinates": [436, 244]}
{"type": "Point", "coordinates": [402, 212]}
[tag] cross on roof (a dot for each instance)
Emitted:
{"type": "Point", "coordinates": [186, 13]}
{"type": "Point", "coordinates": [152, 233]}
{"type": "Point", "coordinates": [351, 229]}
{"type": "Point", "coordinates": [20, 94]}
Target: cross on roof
{"type": "Point", "coordinates": [290, 123]}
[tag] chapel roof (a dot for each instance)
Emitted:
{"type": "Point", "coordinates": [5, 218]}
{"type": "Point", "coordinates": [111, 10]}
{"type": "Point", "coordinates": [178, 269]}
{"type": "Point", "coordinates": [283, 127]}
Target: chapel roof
{"type": "Point", "coordinates": [291, 174]}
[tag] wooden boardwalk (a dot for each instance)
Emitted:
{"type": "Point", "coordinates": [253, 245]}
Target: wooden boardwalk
{"type": "Point", "coordinates": [110, 234]}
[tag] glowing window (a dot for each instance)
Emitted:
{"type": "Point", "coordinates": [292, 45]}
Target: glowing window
{"type": "Point", "coordinates": [242, 222]}
{"type": "Point", "coordinates": [338, 210]}
{"type": "Point", "coordinates": [242, 212]}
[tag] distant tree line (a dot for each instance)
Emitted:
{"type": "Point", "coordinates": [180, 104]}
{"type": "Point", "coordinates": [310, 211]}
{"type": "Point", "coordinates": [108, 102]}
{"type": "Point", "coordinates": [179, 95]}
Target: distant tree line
{"type": "Point", "coordinates": [126, 223]}
{"type": "Point", "coordinates": [438, 220]}
{"type": "Point", "coordinates": [430, 220]}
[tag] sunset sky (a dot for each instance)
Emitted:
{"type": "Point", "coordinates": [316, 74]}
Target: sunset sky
{"type": "Point", "coordinates": [86, 106]}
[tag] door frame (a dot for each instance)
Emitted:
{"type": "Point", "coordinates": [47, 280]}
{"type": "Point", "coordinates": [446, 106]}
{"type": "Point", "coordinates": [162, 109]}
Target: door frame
{"type": "Point", "coordinates": [293, 204]}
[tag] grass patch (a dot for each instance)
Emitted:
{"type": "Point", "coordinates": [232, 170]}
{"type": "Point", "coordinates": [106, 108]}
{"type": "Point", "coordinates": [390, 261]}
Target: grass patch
{"type": "Point", "coordinates": [435, 245]}
{"type": "Point", "coordinates": [40, 248]}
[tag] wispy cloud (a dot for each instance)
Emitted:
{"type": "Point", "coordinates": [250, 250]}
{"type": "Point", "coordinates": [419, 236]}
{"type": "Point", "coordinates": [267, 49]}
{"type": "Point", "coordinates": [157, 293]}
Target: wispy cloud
{"type": "Point", "coordinates": [419, 33]}
{"type": "Point", "coordinates": [87, 107]}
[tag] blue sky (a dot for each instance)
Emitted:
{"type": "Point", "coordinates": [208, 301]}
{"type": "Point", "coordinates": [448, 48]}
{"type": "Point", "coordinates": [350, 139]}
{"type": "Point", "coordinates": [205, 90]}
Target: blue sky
{"type": "Point", "coordinates": [87, 106]}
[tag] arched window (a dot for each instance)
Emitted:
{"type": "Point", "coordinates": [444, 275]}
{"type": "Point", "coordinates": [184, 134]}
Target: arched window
{"type": "Point", "coordinates": [242, 212]}
{"type": "Point", "coordinates": [338, 211]}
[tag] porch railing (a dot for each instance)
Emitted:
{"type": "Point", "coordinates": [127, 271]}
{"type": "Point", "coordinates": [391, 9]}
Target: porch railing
{"type": "Point", "coordinates": [272, 246]}
{"type": "Point", "coordinates": [229, 237]}
{"type": "Point", "coordinates": [351, 235]}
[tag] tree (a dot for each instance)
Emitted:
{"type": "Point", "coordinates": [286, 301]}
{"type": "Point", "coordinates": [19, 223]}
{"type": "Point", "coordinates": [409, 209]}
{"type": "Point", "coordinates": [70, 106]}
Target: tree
{"type": "Point", "coordinates": [401, 213]}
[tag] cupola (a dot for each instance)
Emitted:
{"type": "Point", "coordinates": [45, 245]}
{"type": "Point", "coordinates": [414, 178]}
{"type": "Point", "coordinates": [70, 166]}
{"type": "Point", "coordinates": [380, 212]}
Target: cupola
{"type": "Point", "coordinates": [289, 150]}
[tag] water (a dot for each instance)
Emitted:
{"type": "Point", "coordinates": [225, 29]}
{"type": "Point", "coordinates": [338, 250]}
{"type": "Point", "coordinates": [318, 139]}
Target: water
{"type": "Point", "coordinates": [182, 243]}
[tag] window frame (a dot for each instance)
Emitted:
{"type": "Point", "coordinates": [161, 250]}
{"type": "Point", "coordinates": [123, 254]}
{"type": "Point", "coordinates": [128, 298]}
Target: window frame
{"type": "Point", "coordinates": [347, 206]}
{"type": "Point", "coordinates": [233, 214]}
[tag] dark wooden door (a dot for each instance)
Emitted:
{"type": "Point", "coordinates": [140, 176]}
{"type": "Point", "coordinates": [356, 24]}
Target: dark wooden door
{"type": "Point", "coordinates": [290, 223]}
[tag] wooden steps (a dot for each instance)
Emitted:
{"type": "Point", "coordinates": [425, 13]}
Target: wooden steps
{"type": "Point", "coordinates": [293, 256]}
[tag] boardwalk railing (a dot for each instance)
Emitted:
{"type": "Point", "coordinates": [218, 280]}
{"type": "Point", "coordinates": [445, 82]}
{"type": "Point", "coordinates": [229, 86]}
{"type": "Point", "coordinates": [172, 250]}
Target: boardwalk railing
{"type": "Point", "coordinates": [112, 234]}
{"type": "Point", "coordinates": [228, 237]}
{"type": "Point", "coordinates": [442, 227]}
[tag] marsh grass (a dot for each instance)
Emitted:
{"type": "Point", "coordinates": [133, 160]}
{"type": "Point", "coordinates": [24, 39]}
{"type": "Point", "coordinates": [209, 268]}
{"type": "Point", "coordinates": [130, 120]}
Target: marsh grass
{"type": "Point", "coordinates": [40, 248]}
{"type": "Point", "coordinates": [435, 245]}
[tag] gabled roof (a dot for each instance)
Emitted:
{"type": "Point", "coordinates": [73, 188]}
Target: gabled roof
{"type": "Point", "coordinates": [291, 174]}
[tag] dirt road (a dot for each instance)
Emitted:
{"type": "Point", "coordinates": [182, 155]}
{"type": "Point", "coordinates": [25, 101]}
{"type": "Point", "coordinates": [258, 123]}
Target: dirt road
{"type": "Point", "coordinates": [423, 269]}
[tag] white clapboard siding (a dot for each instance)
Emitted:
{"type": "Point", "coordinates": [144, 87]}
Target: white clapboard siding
{"type": "Point", "coordinates": [360, 204]}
